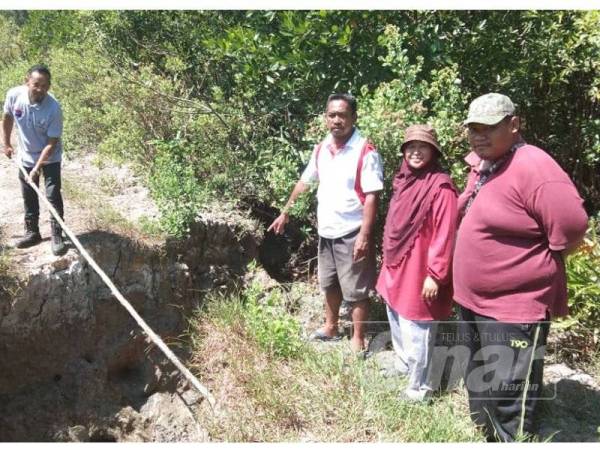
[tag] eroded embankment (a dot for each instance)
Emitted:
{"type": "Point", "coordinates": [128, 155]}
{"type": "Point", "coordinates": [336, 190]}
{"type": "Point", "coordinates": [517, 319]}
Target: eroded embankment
{"type": "Point", "coordinates": [75, 366]}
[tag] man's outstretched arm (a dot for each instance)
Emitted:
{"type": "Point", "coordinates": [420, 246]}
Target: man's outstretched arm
{"type": "Point", "coordinates": [278, 224]}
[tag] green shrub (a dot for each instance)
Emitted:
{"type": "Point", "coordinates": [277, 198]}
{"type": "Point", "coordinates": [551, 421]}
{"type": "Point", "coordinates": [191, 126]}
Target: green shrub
{"type": "Point", "coordinates": [583, 277]}
{"type": "Point", "coordinates": [275, 330]}
{"type": "Point", "coordinates": [9, 284]}
{"type": "Point", "coordinates": [278, 166]}
{"type": "Point", "coordinates": [14, 76]}
{"type": "Point", "coordinates": [173, 185]}
{"type": "Point", "coordinates": [11, 44]}
{"type": "Point", "coordinates": [13, 64]}
{"type": "Point", "coordinates": [106, 110]}
{"type": "Point", "coordinates": [409, 99]}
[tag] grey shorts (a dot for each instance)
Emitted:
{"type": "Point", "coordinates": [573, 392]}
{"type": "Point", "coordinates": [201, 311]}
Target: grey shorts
{"type": "Point", "coordinates": [336, 268]}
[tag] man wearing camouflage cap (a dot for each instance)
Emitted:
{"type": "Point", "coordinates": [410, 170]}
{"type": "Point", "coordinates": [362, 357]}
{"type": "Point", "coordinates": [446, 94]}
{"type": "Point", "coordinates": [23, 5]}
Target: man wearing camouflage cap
{"type": "Point", "coordinates": [520, 215]}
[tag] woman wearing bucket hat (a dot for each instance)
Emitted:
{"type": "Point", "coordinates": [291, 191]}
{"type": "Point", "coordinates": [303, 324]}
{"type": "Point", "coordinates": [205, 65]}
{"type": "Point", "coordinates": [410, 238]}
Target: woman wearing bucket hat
{"type": "Point", "coordinates": [417, 256]}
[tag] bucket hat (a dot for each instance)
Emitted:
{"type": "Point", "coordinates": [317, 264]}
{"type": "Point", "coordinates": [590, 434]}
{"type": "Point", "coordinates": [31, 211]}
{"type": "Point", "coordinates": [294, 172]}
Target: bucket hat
{"type": "Point", "coordinates": [425, 133]}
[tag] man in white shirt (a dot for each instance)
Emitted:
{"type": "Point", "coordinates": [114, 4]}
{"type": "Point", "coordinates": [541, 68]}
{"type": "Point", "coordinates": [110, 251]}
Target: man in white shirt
{"type": "Point", "coordinates": [350, 176]}
{"type": "Point", "coordinates": [37, 116]}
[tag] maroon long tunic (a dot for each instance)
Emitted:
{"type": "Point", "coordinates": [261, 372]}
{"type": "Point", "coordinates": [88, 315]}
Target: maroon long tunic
{"type": "Point", "coordinates": [431, 254]}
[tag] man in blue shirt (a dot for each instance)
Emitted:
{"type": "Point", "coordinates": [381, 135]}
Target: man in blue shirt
{"type": "Point", "coordinates": [38, 120]}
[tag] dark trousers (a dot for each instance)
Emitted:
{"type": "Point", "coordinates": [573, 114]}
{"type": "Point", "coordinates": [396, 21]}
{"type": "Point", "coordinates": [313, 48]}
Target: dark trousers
{"type": "Point", "coordinates": [504, 373]}
{"type": "Point", "coordinates": [52, 182]}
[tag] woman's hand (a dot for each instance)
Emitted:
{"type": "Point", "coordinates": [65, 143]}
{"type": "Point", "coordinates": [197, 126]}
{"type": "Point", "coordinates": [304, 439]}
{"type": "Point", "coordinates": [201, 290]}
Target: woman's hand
{"type": "Point", "coordinates": [430, 289]}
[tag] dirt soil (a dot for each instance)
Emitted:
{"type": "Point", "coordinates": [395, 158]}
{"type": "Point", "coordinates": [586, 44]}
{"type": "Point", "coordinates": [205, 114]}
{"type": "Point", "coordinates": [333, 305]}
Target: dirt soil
{"type": "Point", "coordinates": [129, 198]}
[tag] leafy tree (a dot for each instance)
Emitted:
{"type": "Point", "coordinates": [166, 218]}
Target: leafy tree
{"type": "Point", "coordinates": [238, 94]}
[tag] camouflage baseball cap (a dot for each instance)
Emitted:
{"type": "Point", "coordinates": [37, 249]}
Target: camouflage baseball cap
{"type": "Point", "coordinates": [489, 109]}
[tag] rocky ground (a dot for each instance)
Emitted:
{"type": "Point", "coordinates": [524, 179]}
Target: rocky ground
{"type": "Point", "coordinates": [73, 365]}
{"type": "Point", "coordinates": [108, 187]}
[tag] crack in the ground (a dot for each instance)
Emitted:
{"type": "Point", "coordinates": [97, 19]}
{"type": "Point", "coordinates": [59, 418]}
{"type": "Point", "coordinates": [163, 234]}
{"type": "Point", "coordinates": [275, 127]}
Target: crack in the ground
{"type": "Point", "coordinates": [117, 264]}
{"type": "Point", "coordinates": [41, 308]}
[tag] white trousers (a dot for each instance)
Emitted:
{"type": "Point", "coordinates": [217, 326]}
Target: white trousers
{"type": "Point", "coordinates": [413, 344]}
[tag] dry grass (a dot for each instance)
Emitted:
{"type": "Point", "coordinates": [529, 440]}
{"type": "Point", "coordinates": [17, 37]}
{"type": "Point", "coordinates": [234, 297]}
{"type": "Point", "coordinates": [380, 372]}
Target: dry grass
{"type": "Point", "coordinates": [9, 284]}
{"type": "Point", "coordinates": [102, 216]}
{"type": "Point", "coordinates": [319, 396]}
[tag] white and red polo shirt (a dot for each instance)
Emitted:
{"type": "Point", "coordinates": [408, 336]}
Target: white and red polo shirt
{"type": "Point", "coordinates": [344, 178]}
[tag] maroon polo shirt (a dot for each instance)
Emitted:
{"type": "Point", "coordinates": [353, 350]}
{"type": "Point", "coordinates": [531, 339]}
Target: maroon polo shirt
{"type": "Point", "coordinates": [507, 262]}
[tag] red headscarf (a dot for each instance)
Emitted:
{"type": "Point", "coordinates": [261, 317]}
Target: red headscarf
{"type": "Point", "coordinates": [414, 192]}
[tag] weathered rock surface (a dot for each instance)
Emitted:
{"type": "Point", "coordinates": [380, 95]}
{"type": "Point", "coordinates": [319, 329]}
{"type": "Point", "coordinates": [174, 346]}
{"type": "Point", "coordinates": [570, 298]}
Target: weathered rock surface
{"type": "Point", "coordinates": [74, 366]}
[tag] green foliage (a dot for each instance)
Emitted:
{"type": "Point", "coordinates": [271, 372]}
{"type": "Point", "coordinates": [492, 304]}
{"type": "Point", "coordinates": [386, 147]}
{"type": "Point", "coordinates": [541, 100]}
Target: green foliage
{"type": "Point", "coordinates": [151, 227]}
{"type": "Point", "coordinates": [268, 63]}
{"type": "Point", "coordinates": [267, 318]}
{"type": "Point", "coordinates": [120, 114]}
{"type": "Point", "coordinates": [583, 277]}
{"type": "Point", "coordinates": [14, 75]}
{"type": "Point", "coordinates": [193, 170]}
{"type": "Point", "coordinates": [79, 82]}
{"type": "Point", "coordinates": [275, 171]}
{"type": "Point", "coordinates": [411, 98]}
{"type": "Point", "coordinates": [45, 31]}
{"type": "Point", "coordinates": [13, 65]}
{"type": "Point", "coordinates": [239, 94]}
{"type": "Point", "coordinates": [173, 185]}
{"type": "Point", "coordinates": [9, 284]}
{"type": "Point", "coordinates": [326, 394]}
{"type": "Point", "coordinates": [546, 61]}
{"type": "Point", "coordinates": [11, 43]}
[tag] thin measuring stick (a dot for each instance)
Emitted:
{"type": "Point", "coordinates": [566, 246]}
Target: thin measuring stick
{"type": "Point", "coordinates": [151, 334]}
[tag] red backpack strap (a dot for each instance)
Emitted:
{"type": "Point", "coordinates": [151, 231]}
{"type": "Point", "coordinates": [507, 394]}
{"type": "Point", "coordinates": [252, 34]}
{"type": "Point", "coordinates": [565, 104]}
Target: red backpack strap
{"type": "Point", "coordinates": [317, 152]}
{"type": "Point", "coordinates": [366, 148]}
